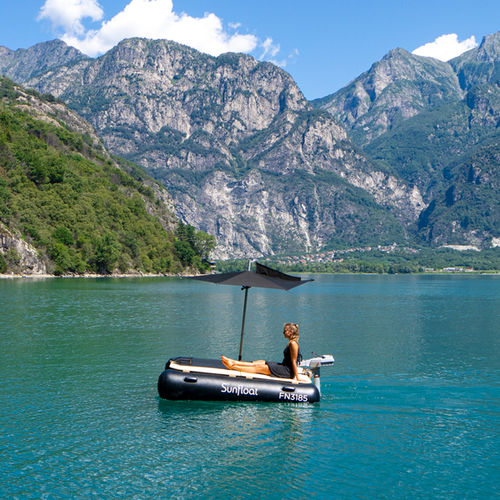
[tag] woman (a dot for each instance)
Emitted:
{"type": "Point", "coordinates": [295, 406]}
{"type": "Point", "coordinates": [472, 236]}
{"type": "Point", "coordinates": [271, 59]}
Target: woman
{"type": "Point", "coordinates": [286, 369]}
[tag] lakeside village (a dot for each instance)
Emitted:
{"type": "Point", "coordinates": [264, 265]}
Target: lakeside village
{"type": "Point", "coordinates": [372, 253]}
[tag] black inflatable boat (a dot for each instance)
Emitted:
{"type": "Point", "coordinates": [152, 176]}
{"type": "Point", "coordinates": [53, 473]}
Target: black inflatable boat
{"type": "Point", "coordinates": [208, 379]}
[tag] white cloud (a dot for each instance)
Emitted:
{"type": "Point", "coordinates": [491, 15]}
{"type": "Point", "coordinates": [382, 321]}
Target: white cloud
{"type": "Point", "coordinates": [153, 19]}
{"type": "Point", "coordinates": [269, 48]}
{"type": "Point", "coordinates": [294, 55]}
{"type": "Point", "coordinates": [446, 47]}
{"type": "Point", "coordinates": [68, 14]}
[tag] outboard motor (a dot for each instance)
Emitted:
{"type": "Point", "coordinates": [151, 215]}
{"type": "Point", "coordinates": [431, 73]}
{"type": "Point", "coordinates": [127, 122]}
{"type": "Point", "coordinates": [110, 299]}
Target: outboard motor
{"type": "Point", "coordinates": [314, 364]}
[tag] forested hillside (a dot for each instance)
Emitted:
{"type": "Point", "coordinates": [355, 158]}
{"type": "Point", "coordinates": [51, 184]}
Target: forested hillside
{"type": "Point", "coordinates": [73, 207]}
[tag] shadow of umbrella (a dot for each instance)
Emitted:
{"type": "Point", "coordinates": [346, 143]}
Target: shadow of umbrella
{"type": "Point", "coordinates": [262, 277]}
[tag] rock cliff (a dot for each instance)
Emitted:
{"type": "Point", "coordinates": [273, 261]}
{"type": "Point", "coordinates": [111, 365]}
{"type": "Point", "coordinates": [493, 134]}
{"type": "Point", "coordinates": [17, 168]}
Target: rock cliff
{"type": "Point", "coordinates": [23, 257]}
{"type": "Point", "coordinates": [244, 155]}
{"type": "Point", "coordinates": [431, 123]}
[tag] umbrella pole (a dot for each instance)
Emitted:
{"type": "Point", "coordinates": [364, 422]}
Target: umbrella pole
{"type": "Point", "coordinates": [243, 320]}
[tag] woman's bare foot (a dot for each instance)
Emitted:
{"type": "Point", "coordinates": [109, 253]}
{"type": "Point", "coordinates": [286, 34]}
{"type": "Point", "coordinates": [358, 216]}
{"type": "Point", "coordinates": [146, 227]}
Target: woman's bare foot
{"type": "Point", "coordinates": [227, 362]}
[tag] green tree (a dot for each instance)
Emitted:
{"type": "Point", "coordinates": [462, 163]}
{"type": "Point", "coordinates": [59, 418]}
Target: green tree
{"type": "Point", "coordinates": [12, 257]}
{"type": "Point", "coordinates": [3, 264]}
{"type": "Point", "coordinates": [204, 244]}
{"type": "Point", "coordinates": [185, 252]}
{"type": "Point", "coordinates": [192, 246]}
{"type": "Point", "coordinates": [63, 235]}
{"type": "Point", "coordinates": [107, 253]}
{"type": "Point", "coordinates": [59, 254]}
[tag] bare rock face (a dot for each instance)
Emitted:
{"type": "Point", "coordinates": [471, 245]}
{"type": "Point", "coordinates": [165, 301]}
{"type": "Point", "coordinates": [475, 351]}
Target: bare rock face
{"type": "Point", "coordinates": [23, 64]}
{"type": "Point", "coordinates": [242, 152]}
{"type": "Point", "coordinates": [24, 256]}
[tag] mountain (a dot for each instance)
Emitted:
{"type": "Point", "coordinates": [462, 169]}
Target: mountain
{"type": "Point", "coordinates": [68, 206]}
{"type": "Point", "coordinates": [405, 152]}
{"type": "Point", "coordinates": [394, 89]}
{"type": "Point", "coordinates": [242, 152]}
{"type": "Point", "coordinates": [430, 123]}
{"type": "Point", "coordinates": [24, 64]}
{"type": "Point", "coordinates": [467, 209]}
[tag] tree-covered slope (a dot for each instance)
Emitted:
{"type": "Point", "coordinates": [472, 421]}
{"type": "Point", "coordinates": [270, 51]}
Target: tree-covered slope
{"type": "Point", "coordinates": [63, 195]}
{"type": "Point", "coordinates": [467, 207]}
{"type": "Point", "coordinates": [420, 148]}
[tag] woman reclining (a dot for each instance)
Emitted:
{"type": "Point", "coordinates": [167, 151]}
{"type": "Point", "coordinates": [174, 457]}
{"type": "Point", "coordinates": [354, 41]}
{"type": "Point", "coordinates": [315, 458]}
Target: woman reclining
{"type": "Point", "coordinates": [286, 369]}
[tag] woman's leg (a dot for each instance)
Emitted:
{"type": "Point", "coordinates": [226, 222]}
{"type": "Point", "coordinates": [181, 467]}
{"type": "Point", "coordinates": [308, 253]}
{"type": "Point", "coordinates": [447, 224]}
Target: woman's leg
{"type": "Point", "coordinates": [228, 361]}
{"type": "Point", "coordinates": [251, 368]}
{"type": "Point", "coordinates": [258, 366]}
{"type": "Point", "coordinates": [243, 363]}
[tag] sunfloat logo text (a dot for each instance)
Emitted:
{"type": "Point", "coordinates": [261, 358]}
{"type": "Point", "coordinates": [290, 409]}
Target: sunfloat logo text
{"type": "Point", "coordinates": [293, 397]}
{"type": "Point", "coordinates": [239, 390]}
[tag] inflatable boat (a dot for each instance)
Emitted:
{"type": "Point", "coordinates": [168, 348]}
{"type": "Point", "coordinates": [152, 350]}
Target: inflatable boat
{"type": "Point", "coordinates": [186, 378]}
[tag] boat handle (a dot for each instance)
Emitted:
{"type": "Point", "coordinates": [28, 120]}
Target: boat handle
{"type": "Point", "coordinates": [191, 380]}
{"type": "Point", "coordinates": [288, 388]}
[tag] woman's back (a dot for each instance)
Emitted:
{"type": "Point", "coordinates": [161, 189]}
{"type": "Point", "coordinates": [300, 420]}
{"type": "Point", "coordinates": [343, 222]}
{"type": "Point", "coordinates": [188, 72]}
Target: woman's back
{"type": "Point", "coordinates": [287, 356]}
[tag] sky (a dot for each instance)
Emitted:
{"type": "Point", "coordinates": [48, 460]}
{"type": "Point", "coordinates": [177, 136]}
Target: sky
{"type": "Point", "coordinates": [323, 44]}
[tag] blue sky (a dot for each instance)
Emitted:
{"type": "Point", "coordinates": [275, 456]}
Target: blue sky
{"type": "Point", "coordinates": [323, 44]}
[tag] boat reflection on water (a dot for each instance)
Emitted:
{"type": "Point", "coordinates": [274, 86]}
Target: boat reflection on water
{"type": "Point", "coordinates": [260, 430]}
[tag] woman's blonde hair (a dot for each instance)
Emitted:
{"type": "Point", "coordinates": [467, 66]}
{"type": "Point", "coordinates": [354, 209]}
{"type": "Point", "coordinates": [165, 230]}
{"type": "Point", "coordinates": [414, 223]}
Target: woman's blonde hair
{"type": "Point", "coordinates": [294, 327]}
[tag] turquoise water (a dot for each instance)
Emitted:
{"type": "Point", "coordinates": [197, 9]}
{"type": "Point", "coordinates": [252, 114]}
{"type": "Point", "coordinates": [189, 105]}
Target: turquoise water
{"type": "Point", "coordinates": [411, 408]}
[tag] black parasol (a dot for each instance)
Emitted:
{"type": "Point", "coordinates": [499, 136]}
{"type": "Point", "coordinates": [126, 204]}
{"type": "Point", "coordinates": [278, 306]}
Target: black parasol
{"type": "Point", "coordinates": [262, 277]}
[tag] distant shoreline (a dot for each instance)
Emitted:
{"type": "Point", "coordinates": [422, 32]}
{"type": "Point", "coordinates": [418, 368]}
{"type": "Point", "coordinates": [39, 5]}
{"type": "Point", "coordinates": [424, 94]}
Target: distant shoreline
{"type": "Point", "coordinates": [147, 275]}
{"type": "Point", "coordinates": [86, 276]}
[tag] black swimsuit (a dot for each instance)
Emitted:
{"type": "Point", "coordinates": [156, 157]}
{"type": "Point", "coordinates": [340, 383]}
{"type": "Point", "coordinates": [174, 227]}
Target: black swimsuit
{"type": "Point", "coordinates": [285, 368]}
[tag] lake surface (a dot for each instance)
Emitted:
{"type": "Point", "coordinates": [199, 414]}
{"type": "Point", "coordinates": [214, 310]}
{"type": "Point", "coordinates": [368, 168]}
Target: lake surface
{"type": "Point", "coordinates": [411, 408]}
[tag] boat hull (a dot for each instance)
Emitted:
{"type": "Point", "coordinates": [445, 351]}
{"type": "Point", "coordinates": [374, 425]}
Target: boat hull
{"type": "Point", "coordinates": [186, 383]}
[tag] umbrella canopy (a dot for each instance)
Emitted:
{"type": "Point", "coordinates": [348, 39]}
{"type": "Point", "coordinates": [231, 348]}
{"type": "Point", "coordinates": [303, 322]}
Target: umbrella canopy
{"type": "Point", "coordinates": [262, 277]}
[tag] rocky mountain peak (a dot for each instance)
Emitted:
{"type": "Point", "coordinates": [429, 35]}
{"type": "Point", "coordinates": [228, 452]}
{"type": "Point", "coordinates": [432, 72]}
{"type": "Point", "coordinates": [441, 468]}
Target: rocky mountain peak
{"type": "Point", "coordinates": [5, 52]}
{"type": "Point", "coordinates": [23, 64]}
{"type": "Point", "coordinates": [489, 50]}
{"type": "Point", "coordinates": [395, 88]}
{"type": "Point", "coordinates": [145, 87]}
{"type": "Point", "coordinates": [481, 65]}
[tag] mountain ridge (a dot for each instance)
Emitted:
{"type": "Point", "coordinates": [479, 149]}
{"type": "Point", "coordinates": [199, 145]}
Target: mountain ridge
{"type": "Point", "coordinates": [445, 130]}
{"type": "Point", "coordinates": [248, 159]}
{"type": "Point", "coordinates": [385, 94]}
{"type": "Point", "coordinates": [190, 118]}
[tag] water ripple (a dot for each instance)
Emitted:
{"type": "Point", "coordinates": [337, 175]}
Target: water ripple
{"type": "Point", "coordinates": [409, 411]}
